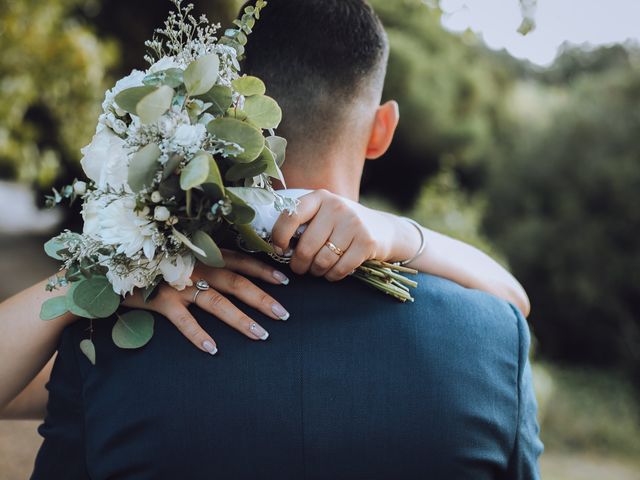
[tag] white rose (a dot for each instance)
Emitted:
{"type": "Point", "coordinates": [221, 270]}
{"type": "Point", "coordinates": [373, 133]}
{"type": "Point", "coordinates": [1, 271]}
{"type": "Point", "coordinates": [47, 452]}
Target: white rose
{"type": "Point", "coordinates": [134, 79]}
{"type": "Point", "coordinates": [129, 231]}
{"type": "Point", "coordinates": [189, 136]}
{"type": "Point", "coordinates": [177, 271]}
{"type": "Point", "coordinates": [165, 63]}
{"type": "Point", "coordinates": [105, 160]}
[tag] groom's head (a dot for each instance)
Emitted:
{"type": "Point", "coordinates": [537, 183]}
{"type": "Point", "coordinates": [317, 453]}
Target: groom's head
{"type": "Point", "coordinates": [324, 61]}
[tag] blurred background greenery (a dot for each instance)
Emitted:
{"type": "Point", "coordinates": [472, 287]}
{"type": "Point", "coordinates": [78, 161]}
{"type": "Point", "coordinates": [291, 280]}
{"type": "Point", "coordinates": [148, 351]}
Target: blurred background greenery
{"type": "Point", "coordinates": [538, 166]}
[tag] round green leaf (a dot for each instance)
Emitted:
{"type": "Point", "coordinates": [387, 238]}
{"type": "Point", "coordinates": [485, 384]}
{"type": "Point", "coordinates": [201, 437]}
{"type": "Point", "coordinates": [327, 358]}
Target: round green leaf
{"type": "Point", "coordinates": [272, 167]}
{"type": "Point", "coordinates": [172, 77]}
{"type": "Point", "coordinates": [213, 257]}
{"type": "Point", "coordinates": [96, 296]}
{"type": "Point", "coordinates": [249, 86]}
{"type": "Point", "coordinates": [72, 306]}
{"type": "Point", "coordinates": [221, 98]}
{"type": "Point", "coordinates": [53, 308]}
{"type": "Point", "coordinates": [154, 105]}
{"type": "Point", "coordinates": [214, 177]}
{"type": "Point", "coordinates": [53, 246]}
{"type": "Point", "coordinates": [252, 240]}
{"type": "Point", "coordinates": [196, 172]}
{"type": "Point", "coordinates": [133, 329]}
{"type": "Point", "coordinates": [188, 243]}
{"type": "Point", "coordinates": [241, 212]}
{"type": "Point", "coordinates": [143, 167]}
{"type": "Point", "coordinates": [240, 171]}
{"type": "Point", "coordinates": [278, 147]}
{"type": "Point", "coordinates": [201, 75]}
{"type": "Point", "coordinates": [128, 99]}
{"type": "Point", "coordinates": [241, 133]}
{"type": "Point", "coordinates": [263, 111]}
{"type": "Point", "coordinates": [89, 349]}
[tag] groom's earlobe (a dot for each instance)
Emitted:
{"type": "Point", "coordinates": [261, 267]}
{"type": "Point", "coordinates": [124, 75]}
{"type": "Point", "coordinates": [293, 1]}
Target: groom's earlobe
{"type": "Point", "coordinates": [384, 127]}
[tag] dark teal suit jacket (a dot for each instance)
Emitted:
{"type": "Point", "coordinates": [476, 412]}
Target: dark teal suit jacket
{"type": "Point", "coordinates": [354, 386]}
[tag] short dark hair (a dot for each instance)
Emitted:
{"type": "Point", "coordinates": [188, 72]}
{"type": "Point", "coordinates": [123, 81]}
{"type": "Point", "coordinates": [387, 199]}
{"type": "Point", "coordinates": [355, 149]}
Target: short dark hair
{"type": "Point", "coordinates": [316, 57]}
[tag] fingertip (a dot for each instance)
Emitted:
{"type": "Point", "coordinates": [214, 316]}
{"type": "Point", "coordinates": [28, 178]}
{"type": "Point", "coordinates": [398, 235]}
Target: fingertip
{"type": "Point", "coordinates": [210, 347]}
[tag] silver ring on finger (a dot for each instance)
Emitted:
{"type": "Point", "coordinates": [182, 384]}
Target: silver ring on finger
{"type": "Point", "coordinates": [201, 286]}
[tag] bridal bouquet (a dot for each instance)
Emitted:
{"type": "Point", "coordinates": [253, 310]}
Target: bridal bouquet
{"type": "Point", "coordinates": [183, 154]}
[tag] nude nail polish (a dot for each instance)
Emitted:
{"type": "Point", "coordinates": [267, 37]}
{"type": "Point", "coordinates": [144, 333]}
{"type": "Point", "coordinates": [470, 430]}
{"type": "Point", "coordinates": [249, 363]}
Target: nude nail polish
{"type": "Point", "coordinates": [280, 312]}
{"type": "Point", "coordinates": [258, 331]}
{"type": "Point", "coordinates": [281, 277]}
{"type": "Point", "coordinates": [210, 347]}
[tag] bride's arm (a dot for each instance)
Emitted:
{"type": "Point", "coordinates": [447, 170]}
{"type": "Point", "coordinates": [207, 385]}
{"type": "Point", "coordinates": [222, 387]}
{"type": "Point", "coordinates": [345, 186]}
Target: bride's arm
{"type": "Point", "coordinates": [364, 234]}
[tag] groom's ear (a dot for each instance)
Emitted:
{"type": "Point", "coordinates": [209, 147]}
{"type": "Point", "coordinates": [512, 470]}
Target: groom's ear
{"type": "Point", "coordinates": [384, 127]}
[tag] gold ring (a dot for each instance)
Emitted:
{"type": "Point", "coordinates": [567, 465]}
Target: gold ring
{"type": "Point", "coordinates": [331, 246]}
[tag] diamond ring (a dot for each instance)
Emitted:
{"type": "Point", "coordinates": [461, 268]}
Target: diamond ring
{"type": "Point", "coordinates": [201, 286]}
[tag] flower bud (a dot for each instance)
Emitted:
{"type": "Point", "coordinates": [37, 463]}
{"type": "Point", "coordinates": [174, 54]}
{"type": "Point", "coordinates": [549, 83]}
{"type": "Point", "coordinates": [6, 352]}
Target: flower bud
{"type": "Point", "coordinates": [145, 211]}
{"type": "Point", "coordinates": [156, 197]}
{"type": "Point", "coordinates": [161, 214]}
{"type": "Point", "coordinates": [80, 188]}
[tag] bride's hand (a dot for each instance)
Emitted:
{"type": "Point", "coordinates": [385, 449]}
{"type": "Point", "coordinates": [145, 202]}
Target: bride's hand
{"type": "Point", "coordinates": [340, 235]}
{"type": "Point", "coordinates": [230, 281]}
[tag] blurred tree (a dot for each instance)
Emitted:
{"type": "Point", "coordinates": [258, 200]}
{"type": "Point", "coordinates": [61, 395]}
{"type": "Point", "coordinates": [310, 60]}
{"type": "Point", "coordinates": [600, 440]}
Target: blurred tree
{"type": "Point", "coordinates": [563, 207]}
{"type": "Point", "coordinates": [450, 90]}
{"type": "Point", "coordinates": [52, 71]}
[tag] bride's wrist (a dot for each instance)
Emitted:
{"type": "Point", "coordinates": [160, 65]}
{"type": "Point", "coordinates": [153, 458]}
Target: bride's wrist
{"type": "Point", "coordinates": [406, 242]}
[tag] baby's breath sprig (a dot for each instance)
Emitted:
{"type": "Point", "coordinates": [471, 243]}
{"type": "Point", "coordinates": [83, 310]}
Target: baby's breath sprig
{"type": "Point", "coordinates": [183, 36]}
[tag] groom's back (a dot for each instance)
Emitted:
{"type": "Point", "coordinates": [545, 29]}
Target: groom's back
{"type": "Point", "coordinates": [355, 385]}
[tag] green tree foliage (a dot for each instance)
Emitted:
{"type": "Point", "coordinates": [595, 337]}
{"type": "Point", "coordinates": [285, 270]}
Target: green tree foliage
{"type": "Point", "coordinates": [563, 207]}
{"type": "Point", "coordinates": [52, 70]}
{"type": "Point", "coordinates": [450, 90]}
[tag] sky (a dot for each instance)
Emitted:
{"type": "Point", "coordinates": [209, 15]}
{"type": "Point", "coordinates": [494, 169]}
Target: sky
{"type": "Point", "coordinates": [597, 22]}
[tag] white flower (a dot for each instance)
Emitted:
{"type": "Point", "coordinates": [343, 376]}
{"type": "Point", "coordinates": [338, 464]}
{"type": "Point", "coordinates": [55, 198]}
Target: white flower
{"type": "Point", "coordinates": [105, 160]}
{"type": "Point", "coordinates": [80, 188]}
{"type": "Point", "coordinates": [156, 197]}
{"type": "Point", "coordinates": [124, 284]}
{"type": "Point", "coordinates": [91, 207]}
{"type": "Point", "coordinates": [177, 271]}
{"type": "Point", "coordinates": [165, 63]}
{"type": "Point", "coordinates": [189, 137]}
{"type": "Point", "coordinates": [161, 214]}
{"type": "Point", "coordinates": [121, 226]}
{"type": "Point", "coordinates": [134, 79]}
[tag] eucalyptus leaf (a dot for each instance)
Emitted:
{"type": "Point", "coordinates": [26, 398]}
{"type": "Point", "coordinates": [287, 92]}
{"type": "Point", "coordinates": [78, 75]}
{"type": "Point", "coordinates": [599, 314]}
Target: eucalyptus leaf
{"type": "Point", "coordinates": [133, 329]}
{"type": "Point", "coordinates": [172, 77]}
{"type": "Point", "coordinates": [253, 196]}
{"type": "Point", "coordinates": [188, 243]}
{"type": "Point", "coordinates": [53, 246]}
{"type": "Point", "coordinates": [272, 166]}
{"type": "Point", "coordinates": [278, 147]}
{"type": "Point", "coordinates": [215, 178]}
{"type": "Point", "coordinates": [196, 172]}
{"type": "Point", "coordinates": [241, 212]}
{"type": "Point", "coordinates": [240, 171]}
{"type": "Point", "coordinates": [220, 97]}
{"type": "Point", "coordinates": [154, 105]}
{"type": "Point", "coordinates": [97, 297]}
{"type": "Point", "coordinates": [171, 166]}
{"type": "Point", "coordinates": [201, 75]}
{"type": "Point", "coordinates": [241, 133]}
{"type": "Point", "coordinates": [263, 111]}
{"type": "Point", "coordinates": [143, 167]}
{"type": "Point", "coordinates": [89, 349]}
{"type": "Point", "coordinates": [213, 257]}
{"type": "Point", "coordinates": [252, 240]}
{"type": "Point", "coordinates": [53, 308]}
{"type": "Point", "coordinates": [72, 306]}
{"type": "Point", "coordinates": [249, 86]}
{"type": "Point", "coordinates": [128, 99]}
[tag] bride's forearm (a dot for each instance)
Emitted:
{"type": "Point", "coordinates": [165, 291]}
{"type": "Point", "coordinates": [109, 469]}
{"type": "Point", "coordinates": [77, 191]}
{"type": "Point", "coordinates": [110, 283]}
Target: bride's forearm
{"type": "Point", "coordinates": [457, 261]}
{"type": "Point", "coordinates": [26, 342]}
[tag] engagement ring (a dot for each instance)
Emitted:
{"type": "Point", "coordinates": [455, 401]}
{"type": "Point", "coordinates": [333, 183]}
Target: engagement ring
{"type": "Point", "coordinates": [201, 286]}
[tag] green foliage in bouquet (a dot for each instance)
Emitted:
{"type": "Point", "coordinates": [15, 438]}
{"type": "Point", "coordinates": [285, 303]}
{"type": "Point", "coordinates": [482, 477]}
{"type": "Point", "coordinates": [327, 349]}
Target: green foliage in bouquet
{"type": "Point", "coordinates": [179, 157]}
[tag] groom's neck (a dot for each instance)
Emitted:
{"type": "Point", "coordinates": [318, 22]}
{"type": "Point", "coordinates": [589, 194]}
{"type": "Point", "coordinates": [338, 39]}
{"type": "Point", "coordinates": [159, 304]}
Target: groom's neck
{"type": "Point", "coordinates": [339, 173]}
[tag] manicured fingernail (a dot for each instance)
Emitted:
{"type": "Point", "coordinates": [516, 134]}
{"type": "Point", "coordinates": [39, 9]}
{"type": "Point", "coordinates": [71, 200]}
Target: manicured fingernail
{"type": "Point", "coordinates": [210, 347]}
{"type": "Point", "coordinates": [258, 331]}
{"type": "Point", "coordinates": [281, 277]}
{"type": "Point", "coordinates": [278, 250]}
{"type": "Point", "coordinates": [279, 311]}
